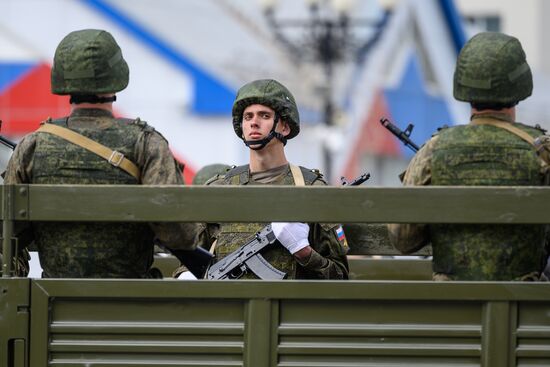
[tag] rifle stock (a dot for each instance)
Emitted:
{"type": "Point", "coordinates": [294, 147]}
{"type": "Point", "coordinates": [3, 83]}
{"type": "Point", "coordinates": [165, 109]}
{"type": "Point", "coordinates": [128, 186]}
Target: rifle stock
{"type": "Point", "coordinates": [196, 261]}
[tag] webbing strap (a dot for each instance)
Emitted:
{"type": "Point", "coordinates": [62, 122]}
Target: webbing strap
{"type": "Point", "coordinates": [297, 175]}
{"type": "Point", "coordinates": [506, 126]}
{"type": "Point", "coordinates": [114, 157]}
{"type": "Point", "coordinates": [514, 130]}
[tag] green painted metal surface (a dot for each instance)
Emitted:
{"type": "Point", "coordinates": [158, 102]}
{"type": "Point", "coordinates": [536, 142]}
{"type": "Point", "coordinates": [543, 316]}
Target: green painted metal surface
{"type": "Point", "coordinates": [289, 323]}
{"type": "Point", "coordinates": [369, 323]}
{"type": "Point", "coordinates": [316, 204]}
{"type": "Point", "coordinates": [14, 322]}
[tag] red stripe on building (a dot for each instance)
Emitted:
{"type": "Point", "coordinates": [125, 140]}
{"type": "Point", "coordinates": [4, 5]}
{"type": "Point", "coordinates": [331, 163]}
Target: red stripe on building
{"type": "Point", "coordinates": [373, 138]}
{"type": "Point", "coordinates": [29, 101]}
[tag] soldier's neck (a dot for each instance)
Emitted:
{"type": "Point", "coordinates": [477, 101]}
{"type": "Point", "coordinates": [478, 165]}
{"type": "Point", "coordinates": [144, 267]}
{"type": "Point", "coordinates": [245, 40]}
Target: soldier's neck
{"type": "Point", "coordinates": [511, 112]}
{"type": "Point", "coordinates": [101, 106]}
{"type": "Point", "coordinates": [271, 156]}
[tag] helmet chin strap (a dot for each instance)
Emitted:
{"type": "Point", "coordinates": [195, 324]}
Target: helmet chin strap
{"type": "Point", "coordinates": [263, 142]}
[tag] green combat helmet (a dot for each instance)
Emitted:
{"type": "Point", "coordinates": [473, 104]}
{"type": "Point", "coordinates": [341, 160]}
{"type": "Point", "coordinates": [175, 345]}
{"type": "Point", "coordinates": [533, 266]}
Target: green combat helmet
{"type": "Point", "coordinates": [492, 69]}
{"type": "Point", "coordinates": [209, 171]}
{"type": "Point", "coordinates": [271, 93]}
{"type": "Point", "coordinates": [88, 62]}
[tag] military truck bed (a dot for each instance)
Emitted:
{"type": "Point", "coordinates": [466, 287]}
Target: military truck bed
{"type": "Point", "coordinates": [79, 322]}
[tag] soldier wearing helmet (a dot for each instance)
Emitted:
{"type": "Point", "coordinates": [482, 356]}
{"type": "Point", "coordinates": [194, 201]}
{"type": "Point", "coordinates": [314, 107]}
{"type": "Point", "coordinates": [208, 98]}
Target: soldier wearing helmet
{"type": "Point", "coordinates": [492, 75]}
{"type": "Point", "coordinates": [265, 116]}
{"type": "Point", "coordinates": [89, 66]}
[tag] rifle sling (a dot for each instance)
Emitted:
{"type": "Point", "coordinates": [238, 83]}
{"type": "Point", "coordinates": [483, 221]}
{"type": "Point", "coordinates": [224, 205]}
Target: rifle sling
{"type": "Point", "coordinates": [506, 126]}
{"type": "Point", "coordinates": [509, 127]}
{"type": "Point", "coordinates": [514, 130]}
{"type": "Point", "coordinates": [114, 157]}
{"type": "Point", "coordinates": [297, 175]}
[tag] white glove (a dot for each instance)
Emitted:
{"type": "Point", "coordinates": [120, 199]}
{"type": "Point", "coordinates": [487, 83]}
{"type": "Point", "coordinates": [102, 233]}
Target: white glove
{"type": "Point", "coordinates": [293, 236]}
{"type": "Point", "coordinates": [186, 275]}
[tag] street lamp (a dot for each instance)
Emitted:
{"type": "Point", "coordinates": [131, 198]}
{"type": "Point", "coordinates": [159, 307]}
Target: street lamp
{"type": "Point", "coordinates": [328, 38]}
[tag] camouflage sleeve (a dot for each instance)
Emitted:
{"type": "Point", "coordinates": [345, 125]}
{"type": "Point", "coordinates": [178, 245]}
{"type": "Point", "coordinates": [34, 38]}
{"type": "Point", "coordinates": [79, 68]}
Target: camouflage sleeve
{"type": "Point", "coordinates": [158, 167]}
{"type": "Point", "coordinates": [208, 232]}
{"type": "Point", "coordinates": [328, 259]}
{"type": "Point", "coordinates": [19, 171]}
{"type": "Point", "coordinates": [409, 238]}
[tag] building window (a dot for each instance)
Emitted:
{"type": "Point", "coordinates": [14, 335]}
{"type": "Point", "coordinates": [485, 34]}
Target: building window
{"type": "Point", "coordinates": [491, 23]}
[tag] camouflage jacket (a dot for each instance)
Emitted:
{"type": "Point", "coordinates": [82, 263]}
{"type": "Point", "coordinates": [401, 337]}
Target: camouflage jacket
{"type": "Point", "coordinates": [328, 259]}
{"type": "Point", "coordinates": [44, 158]}
{"type": "Point", "coordinates": [487, 157]}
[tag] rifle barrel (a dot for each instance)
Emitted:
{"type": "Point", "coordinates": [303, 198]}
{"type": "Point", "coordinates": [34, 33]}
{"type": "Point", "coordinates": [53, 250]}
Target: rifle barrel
{"type": "Point", "coordinates": [400, 134]}
{"type": "Point", "coordinates": [10, 144]}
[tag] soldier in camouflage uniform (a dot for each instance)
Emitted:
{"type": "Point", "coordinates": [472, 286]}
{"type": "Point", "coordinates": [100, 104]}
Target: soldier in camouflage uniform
{"type": "Point", "coordinates": [493, 76]}
{"type": "Point", "coordinates": [89, 66]}
{"type": "Point", "coordinates": [265, 116]}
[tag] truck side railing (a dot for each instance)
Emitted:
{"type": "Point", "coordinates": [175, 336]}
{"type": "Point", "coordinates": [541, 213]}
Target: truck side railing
{"type": "Point", "coordinates": [85, 322]}
{"type": "Point", "coordinates": [317, 204]}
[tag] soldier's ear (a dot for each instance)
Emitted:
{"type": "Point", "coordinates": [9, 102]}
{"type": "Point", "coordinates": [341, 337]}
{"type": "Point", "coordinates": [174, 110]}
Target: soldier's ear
{"type": "Point", "coordinates": [285, 128]}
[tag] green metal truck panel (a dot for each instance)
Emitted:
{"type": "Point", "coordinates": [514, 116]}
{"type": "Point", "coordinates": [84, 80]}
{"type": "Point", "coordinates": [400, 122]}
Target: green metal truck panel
{"type": "Point", "coordinates": [85, 322]}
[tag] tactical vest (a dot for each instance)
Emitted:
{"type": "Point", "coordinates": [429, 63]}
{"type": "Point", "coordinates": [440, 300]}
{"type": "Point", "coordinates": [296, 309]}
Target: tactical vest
{"type": "Point", "coordinates": [486, 155]}
{"type": "Point", "coordinates": [90, 250]}
{"type": "Point", "coordinates": [234, 235]}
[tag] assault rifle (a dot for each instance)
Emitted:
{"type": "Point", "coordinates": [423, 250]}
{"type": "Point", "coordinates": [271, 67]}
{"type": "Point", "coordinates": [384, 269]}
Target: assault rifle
{"type": "Point", "coordinates": [10, 144]}
{"type": "Point", "coordinates": [400, 134]}
{"type": "Point", "coordinates": [356, 182]}
{"type": "Point", "coordinates": [248, 258]}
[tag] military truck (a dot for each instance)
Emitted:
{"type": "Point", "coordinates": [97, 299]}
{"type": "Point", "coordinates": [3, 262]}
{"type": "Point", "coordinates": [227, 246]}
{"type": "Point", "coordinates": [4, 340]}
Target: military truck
{"type": "Point", "coordinates": [379, 318]}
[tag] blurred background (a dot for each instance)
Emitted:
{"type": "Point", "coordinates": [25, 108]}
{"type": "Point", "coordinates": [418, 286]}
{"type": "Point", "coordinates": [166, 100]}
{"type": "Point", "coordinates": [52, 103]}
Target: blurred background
{"type": "Point", "coordinates": [347, 62]}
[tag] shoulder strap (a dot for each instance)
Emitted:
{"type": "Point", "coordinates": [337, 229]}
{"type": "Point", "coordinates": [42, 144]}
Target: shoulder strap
{"type": "Point", "coordinates": [233, 176]}
{"type": "Point", "coordinates": [312, 175]}
{"type": "Point", "coordinates": [297, 175]}
{"type": "Point", "coordinates": [114, 157]}
{"type": "Point", "coordinates": [506, 126]}
{"type": "Point", "coordinates": [511, 128]}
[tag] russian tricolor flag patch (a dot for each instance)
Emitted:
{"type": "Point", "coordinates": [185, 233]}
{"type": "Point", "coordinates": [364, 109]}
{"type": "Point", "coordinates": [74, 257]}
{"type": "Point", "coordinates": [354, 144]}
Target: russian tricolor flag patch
{"type": "Point", "coordinates": [341, 237]}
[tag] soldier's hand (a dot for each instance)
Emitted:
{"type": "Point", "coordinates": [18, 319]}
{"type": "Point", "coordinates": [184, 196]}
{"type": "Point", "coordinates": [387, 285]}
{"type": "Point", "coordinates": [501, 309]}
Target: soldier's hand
{"type": "Point", "coordinates": [293, 236]}
{"type": "Point", "coordinates": [186, 275]}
